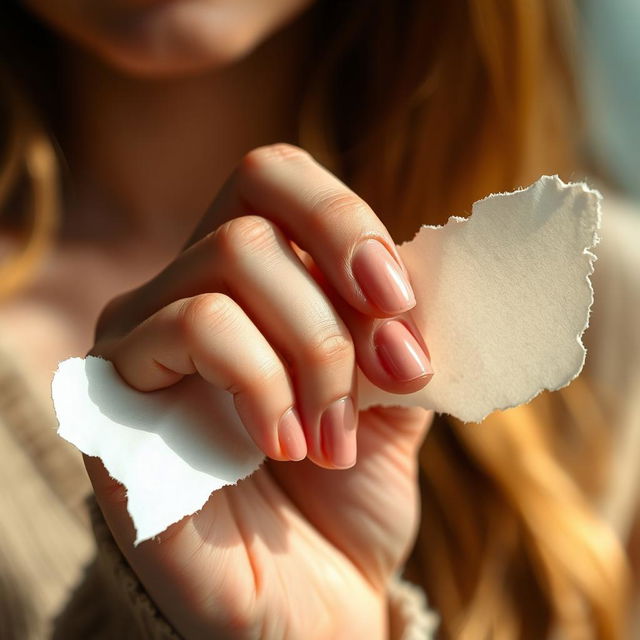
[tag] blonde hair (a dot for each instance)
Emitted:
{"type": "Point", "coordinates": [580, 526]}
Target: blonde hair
{"type": "Point", "coordinates": [423, 108]}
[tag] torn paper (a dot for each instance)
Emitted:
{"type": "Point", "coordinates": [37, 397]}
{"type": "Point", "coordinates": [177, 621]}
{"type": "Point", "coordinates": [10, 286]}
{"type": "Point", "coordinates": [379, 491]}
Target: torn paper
{"type": "Point", "coordinates": [170, 449]}
{"type": "Point", "coordinates": [503, 300]}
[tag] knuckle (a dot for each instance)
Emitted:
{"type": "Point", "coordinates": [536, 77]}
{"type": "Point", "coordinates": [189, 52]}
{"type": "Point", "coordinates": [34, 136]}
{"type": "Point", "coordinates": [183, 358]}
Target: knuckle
{"type": "Point", "coordinates": [331, 207]}
{"type": "Point", "coordinates": [269, 375]}
{"type": "Point", "coordinates": [257, 159]}
{"type": "Point", "coordinates": [271, 372]}
{"type": "Point", "coordinates": [328, 349]}
{"type": "Point", "coordinates": [239, 234]}
{"type": "Point", "coordinates": [206, 312]}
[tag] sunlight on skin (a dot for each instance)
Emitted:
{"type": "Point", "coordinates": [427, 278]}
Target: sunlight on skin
{"type": "Point", "coordinates": [326, 540]}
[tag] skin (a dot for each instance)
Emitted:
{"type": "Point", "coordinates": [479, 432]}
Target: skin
{"type": "Point", "coordinates": [299, 549]}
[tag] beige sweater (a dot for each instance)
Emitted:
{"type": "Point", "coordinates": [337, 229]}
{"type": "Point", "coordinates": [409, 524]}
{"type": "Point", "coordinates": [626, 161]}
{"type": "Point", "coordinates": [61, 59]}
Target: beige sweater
{"type": "Point", "coordinates": [62, 576]}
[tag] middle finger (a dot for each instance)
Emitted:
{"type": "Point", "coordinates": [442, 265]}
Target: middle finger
{"type": "Point", "coordinates": [268, 280]}
{"type": "Point", "coordinates": [249, 259]}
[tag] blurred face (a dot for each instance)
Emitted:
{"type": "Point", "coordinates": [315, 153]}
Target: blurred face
{"type": "Point", "coordinates": [167, 37]}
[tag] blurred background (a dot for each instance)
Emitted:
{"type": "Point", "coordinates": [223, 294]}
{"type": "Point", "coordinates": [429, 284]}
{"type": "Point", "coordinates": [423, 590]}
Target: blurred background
{"type": "Point", "coordinates": [611, 89]}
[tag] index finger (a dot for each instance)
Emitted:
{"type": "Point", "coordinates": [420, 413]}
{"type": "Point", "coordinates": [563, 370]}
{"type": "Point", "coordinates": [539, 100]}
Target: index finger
{"type": "Point", "coordinates": [323, 216]}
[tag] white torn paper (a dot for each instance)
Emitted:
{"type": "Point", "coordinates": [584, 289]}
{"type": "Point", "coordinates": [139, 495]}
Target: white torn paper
{"type": "Point", "coordinates": [503, 299]}
{"type": "Point", "coordinates": [170, 449]}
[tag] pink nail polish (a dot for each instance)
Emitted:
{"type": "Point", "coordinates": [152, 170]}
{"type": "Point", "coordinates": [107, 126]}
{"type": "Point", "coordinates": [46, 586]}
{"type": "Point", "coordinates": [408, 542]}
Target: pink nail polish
{"type": "Point", "coordinates": [381, 278]}
{"type": "Point", "coordinates": [291, 436]}
{"type": "Point", "coordinates": [338, 433]}
{"type": "Point", "coordinates": [400, 353]}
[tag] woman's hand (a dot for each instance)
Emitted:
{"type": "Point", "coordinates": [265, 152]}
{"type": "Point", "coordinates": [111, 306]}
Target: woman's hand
{"type": "Point", "coordinates": [299, 282]}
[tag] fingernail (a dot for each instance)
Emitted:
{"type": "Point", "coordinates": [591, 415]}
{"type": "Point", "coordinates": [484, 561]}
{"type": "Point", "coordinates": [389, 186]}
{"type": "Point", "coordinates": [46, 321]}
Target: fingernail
{"type": "Point", "coordinates": [291, 436]}
{"type": "Point", "coordinates": [381, 278]}
{"type": "Point", "coordinates": [338, 433]}
{"type": "Point", "coordinates": [400, 353]}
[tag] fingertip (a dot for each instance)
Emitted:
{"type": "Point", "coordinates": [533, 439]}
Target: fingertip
{"type": "Point", "coordinates": [400, 354]}
{"type": "Point", "coordinates": [338, 426]}
{"type": "Point", "coordinates": [293, 445]}
{"type": "Point", "coordinates": [382, 280]}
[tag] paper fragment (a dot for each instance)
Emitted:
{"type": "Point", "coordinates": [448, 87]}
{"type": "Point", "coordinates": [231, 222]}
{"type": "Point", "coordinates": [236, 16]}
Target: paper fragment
{"type": "Point", "coordinates": [170, 449]}
{"type": "Point", "coordinates": [503, 300]}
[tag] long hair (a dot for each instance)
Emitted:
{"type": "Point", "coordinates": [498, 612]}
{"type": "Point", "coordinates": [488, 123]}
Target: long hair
{"type": "Point", "coordinates": [423, 107]}
{"type": "Point", "coordinates": [29, 187]}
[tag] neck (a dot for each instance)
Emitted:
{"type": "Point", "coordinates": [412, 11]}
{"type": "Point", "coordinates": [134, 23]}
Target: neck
{"type": "Point", "coordinates": [148, 156]}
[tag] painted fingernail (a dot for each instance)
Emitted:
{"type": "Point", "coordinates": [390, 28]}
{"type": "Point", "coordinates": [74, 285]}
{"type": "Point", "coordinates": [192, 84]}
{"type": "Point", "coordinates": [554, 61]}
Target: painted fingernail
{"type": "Point", "coordinates": [400, 353]}
{"type": "Point", "coordinates": [338, 433]}
{"type": "Point", "coordinates": [291, 436]}
{"type": "Point", "coordinates": [381, 278]}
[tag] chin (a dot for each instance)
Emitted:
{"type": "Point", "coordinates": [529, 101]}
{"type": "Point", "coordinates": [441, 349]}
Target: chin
{"type": "Point", "coordinates": [160, 38]}
{"type": "Point", "coordinates": [178, 37]}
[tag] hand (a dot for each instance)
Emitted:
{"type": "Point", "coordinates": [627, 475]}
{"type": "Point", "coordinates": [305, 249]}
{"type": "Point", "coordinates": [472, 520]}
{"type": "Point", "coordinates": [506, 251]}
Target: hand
{"type": "Point", "coordinates": [278, 307]}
